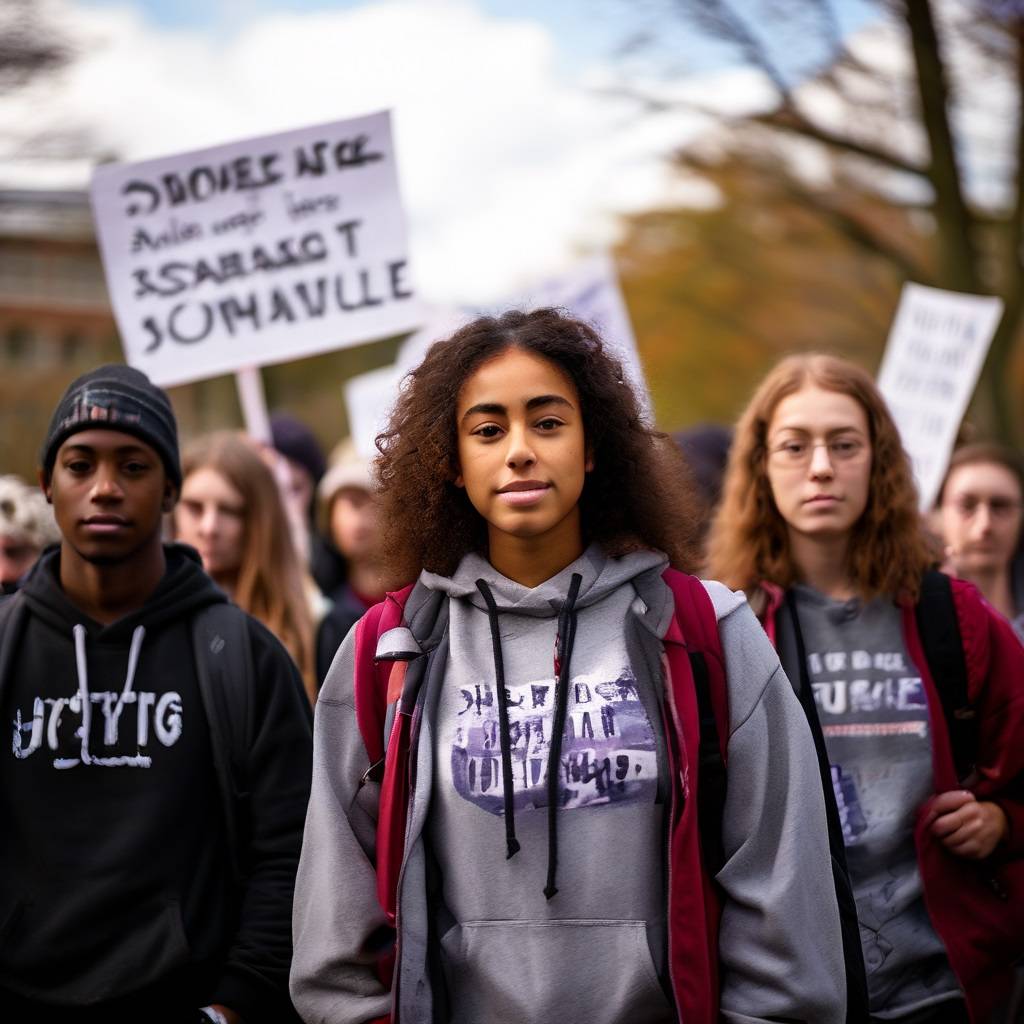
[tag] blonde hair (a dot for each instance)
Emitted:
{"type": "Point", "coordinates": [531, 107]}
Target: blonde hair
{"type": "Point", "coordinates": [749, 541]}
{"type": "Point", "coordinates": [270, 583]}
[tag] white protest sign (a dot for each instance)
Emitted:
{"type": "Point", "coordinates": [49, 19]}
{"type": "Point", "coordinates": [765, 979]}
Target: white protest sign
{"type": "Point", "coordinates": [369, 399]}
{"type": "Point", "coordinates": [439, 323]}
{"type": "Point", "coordinates": [256, 252]}
{"type": "Point", "coordinates": [932, 360]}
{"type": "Point", "coordinates": [590, 291]}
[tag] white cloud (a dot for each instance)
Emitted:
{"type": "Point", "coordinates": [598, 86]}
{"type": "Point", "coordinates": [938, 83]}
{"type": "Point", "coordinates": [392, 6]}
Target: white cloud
{"type": "Point", "coordinates": [506, 164]}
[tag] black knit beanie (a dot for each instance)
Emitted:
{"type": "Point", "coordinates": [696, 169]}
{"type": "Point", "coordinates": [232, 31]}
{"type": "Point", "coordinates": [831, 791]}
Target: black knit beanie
{"type": "Point", "coordinates": [116, 397]}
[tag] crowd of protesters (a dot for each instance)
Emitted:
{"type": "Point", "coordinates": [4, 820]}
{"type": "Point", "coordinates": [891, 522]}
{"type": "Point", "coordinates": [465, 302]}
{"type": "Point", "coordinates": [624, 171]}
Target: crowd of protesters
{"type": "Point", "coordinates": [458, 736]}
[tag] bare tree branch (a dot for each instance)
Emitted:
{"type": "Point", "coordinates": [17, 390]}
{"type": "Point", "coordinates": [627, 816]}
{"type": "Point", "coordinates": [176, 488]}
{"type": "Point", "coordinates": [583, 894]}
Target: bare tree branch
{"type": "Point", "coordinates": [1016, 261]}
{"type": "Point", "coordinates": [857, 231]}
{"type": "Point", "coordinates": [720, 18]}
{"type": "Point", "coordinates": [791, 120]}
{"type": "Point", "coordinates": [955, 226]}
{"type": "Point", "coordinates": [27, 46]}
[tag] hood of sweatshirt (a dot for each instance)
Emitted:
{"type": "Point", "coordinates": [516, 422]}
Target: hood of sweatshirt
{"type": "Point", "coordinates": [599, 576]}
{"type": "Point", "coordinates": [586, 581]}
{"type": "Point", "coordinates": [185, 587]}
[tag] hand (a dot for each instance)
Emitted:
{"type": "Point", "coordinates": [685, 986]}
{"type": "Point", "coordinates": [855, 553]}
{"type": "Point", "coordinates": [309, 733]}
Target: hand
{"type": "Point", "coordinates": [966, 826]}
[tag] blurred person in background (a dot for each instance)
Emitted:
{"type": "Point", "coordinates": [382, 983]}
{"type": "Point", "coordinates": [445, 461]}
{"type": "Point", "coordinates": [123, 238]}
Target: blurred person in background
{"type": "Point", "coordinates": [819, 525]}
{"type": "Point", "coordinates": [348, 497]}
{"type": "Point", "coordinates": [232, 513]}
{"type": "Point", "coordinates": [979, 517]}
{"type": "Point", "coordinates": [300, 472]}
{"type": "Point", "coordinates": [26, 527]}
{"type": "Point", "coordinates": [706, 450]}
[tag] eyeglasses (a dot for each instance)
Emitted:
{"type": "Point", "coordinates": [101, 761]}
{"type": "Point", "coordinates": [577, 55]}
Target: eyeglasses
{"type": "Point", "coordinates": [800, 453]}
{"type": "Point", "coordinates": [998, 507]}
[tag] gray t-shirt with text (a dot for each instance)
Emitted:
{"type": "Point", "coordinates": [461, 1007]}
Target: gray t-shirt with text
{"type": "Point", "coordinates": [877, 729]}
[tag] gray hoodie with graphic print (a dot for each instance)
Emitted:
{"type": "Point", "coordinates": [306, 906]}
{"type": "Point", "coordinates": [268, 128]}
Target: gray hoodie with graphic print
{"type": "Point", "coordinates": [510, 910]}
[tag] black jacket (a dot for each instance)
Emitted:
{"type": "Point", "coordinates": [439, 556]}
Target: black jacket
{"type": "Point", "coordinates": [118, 883]}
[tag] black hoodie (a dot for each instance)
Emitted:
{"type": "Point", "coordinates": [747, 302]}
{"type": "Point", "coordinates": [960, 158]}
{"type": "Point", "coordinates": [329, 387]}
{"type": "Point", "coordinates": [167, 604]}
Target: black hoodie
{"type": "Point", "coordinates": [115, 879]}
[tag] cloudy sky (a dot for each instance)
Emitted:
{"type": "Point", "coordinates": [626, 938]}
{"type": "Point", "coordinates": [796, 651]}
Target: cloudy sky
{"type": "Point", "coordinates": [513, 158]}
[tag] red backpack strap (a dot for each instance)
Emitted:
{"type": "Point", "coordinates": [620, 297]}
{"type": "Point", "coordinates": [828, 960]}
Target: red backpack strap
{"type": "Point", "coordinates": [371, 677]}
{"type": "Point", "coordinates": [387, 754]}
{"type": "Point", "coordinates": [696, 674]}
{"type": "Point", "coordinates": [698, 625]}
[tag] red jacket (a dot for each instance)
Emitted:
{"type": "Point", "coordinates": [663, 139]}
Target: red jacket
{"type": "Point", "coordinates": [693, 949]}
{"type": "Point", "coordinates": [977, 907]}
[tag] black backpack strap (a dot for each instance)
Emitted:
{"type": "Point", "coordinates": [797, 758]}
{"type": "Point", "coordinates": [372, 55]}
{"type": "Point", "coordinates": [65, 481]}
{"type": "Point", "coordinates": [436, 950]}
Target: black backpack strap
{"type": "Point", "coordinates": [712, 774]}
{"type": "Point", "coordinates": [853, 955]}
{"type": "Point", "coordinates": [223, 656]}
{"type": "Point", "coordinates": [939, 630]}
{"type": "Point", "coordinates": [12, 613]}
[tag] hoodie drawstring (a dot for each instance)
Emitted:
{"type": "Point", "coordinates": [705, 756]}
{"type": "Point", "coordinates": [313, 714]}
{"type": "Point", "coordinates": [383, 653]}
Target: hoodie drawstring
{"type": "Point", "coordinates": [563, 645]}
{"type": "Point", "coordinates": [78, 632]}
{"type": "Point", "coordinates": [563, 655]}
{"type": "Point", "coordinates": [110, 737]}
{"type": "Point", "coordinates": [511, 843]}
{"type": "Point", "coordinates": [138, 635]}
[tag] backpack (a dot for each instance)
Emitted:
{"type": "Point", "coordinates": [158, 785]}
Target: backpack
{"type": "Point", "coordinates": [694, 630]}
{"type": "Point", "coordinates": [943, 647]}
{"type": "Point", "coordinates": [223, 657]}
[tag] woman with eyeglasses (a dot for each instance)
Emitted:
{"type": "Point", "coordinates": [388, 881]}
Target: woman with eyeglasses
{"type": "Point", "coordinates": [979, 515]}
{"type": "Point", "coordinates": [819, 525]}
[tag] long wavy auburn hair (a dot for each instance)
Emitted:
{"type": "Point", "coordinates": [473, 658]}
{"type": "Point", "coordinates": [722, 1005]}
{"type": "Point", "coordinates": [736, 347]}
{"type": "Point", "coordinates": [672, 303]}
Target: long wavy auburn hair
{"type": "Point", "coordinates": [749, 542]}
{"type": "Point", "coordinates": [270, 584]}
{"type": "Point", "coordinates": [637, 496]}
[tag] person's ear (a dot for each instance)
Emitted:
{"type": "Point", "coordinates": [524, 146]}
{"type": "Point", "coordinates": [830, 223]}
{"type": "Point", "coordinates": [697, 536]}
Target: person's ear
{"type": "Point", "coordinates": [588, 465]}
{"type": "Point", "coordinates": [459, 482]}
{"type": "Point", "coordinates": [170, 498]}
{"type": "Point", "coordinates": [44, 484]}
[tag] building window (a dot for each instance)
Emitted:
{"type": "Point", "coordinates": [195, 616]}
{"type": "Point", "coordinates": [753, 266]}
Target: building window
{"type": "Point", "coordinates": [17, 344]}
{"type": "Point", "coordinates": [70, 346]}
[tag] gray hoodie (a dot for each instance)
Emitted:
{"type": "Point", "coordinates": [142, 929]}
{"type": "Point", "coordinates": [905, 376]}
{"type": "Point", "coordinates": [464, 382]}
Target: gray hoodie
{"type": "Point", "coordinates": [572, 925]}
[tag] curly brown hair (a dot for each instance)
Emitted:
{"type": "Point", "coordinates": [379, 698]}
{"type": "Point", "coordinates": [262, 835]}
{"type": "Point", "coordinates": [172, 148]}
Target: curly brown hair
{"type": "Point", "coordinates": [749, 541]}
{"type": "Point", "coordinates": [637, 496]}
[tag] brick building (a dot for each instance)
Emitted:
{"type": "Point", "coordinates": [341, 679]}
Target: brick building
{"type": "Point", "coordinates": [55, 317]}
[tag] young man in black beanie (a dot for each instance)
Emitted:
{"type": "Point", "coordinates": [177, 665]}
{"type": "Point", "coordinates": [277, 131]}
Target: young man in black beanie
{"type": "Point", "coordinates": [154, 787]}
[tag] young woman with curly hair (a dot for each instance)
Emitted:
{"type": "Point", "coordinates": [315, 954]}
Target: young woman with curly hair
{"type": "Point", "coordinates": [543, 864]}
{"type": "Point", "coordinates": [819, 525]}
{"type": "Point", "coordinates": [231, 511]}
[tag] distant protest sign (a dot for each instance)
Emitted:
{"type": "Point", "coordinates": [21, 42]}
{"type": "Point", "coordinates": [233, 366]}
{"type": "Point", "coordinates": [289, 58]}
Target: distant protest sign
{"type": "Point", "coordinates": [256, 252]}
{"type": "Point", "coordinates": [933, 357]}
{"type": "Point", "coordinates": [590, 291]}
{"type": "Point", "coordinates": [369, 399]}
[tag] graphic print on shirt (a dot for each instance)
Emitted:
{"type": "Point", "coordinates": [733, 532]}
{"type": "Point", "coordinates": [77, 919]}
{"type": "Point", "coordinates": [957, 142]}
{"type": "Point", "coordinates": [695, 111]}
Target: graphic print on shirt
{"type": "Point", "coordinates": [105, 728]}
{"type": "Point", "coordinates": [608, 747]}
{"type": "Point", "coordinates": [863, 697]}
{"type": "Point", "coordinates": [874, 716]}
